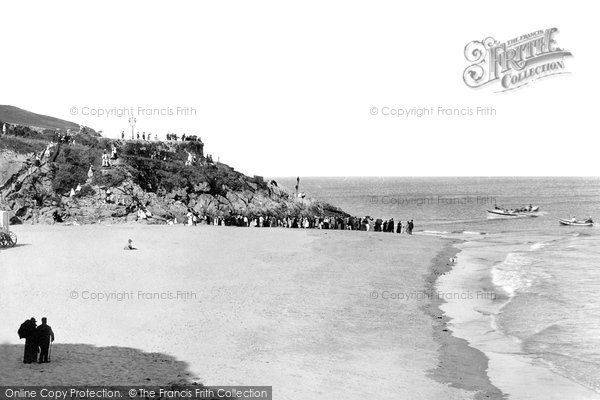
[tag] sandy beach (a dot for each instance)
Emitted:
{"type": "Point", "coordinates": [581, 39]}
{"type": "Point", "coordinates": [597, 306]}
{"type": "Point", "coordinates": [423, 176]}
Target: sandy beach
{"type": "Point", "coordinates": [325, 314]}
{"type": "Point", "coordinates": [280, 202]}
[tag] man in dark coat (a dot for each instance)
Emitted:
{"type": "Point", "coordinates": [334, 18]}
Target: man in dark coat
{"type": "Point", "coordinates": [27, 331]}
{"type": "Point", "coordinates": [44, 336]}
{"type": "Point", "coordinates": [378, 223]}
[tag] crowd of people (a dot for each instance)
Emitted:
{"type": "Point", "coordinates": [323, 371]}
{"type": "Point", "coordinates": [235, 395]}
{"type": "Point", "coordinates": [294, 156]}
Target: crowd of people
{"type": "Point", "coordinates": [58, 136]}
{"type": "Point", "coordinates": [38, 340]}
{"type": "Point", "coordinates": [143, 136]}
{"type": "Point", "coordinates": [184, 138]}
{"type": "Point", "coordinates": [326, 222]}
{"type": "Point", "coordinates": [106, 158]}
{"type": "Point", "coordinates": [68, 136]}
{"type": "Point", "coordinates": [169, 136]}
{"type": "Point", "coordinates": [65, 138]}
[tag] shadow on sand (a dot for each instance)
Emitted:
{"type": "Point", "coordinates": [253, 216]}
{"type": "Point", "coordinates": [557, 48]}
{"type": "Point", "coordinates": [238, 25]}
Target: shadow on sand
{"type": "Point", "coordinates": [18, 245]}
{"type": "Point", "coordinates": [84, 364]}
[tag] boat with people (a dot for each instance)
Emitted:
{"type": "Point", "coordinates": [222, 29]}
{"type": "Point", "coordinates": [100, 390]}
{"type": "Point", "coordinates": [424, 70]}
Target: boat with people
{"type": "Point", "coordinates": [575, 222]}
{"type": "Point", "coordinates": [530, 211]}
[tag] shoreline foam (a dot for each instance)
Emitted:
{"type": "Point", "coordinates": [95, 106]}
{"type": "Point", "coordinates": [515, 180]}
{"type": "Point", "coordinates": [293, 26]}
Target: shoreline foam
{"type": "Point", "coordinates": [460, 365]}
{"type": "Point", "coordinates": [510, 369]}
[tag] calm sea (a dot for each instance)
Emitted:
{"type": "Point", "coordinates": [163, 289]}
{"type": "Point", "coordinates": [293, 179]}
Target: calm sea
{"type": "Point", "coordinates": [549, 274]}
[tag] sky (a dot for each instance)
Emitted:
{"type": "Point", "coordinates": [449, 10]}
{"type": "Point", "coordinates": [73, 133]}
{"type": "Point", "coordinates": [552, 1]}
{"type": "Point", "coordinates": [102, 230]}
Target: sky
{"type": "Point", "coordinates": [277, 88]}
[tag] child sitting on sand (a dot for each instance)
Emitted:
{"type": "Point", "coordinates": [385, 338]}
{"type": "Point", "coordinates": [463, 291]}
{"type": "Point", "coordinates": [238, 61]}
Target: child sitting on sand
{"type": "Point", "coordinates": [129, 245]}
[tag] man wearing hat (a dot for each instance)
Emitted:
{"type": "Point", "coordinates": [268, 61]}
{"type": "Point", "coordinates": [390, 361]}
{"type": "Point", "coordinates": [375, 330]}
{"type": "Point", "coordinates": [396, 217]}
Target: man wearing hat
{"type": "Point", "coordinates": [44, 336]}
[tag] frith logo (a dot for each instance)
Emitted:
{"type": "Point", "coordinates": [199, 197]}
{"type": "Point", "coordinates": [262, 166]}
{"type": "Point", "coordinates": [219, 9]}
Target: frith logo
{"type": "Point", "coordinates": [514, 63]}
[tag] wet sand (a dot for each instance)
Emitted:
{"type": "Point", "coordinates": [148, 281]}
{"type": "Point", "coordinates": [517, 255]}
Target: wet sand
{"type": "Point", "coordinates": [459, 364]}
{"type": "Point", "coordinates": [323, 314]}
{"type": "Point", "coordinates": [516, 373]}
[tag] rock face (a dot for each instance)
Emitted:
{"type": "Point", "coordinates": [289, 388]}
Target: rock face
{"type": "Point", "coordinates": [151, 182]}
{"type": "Point", "coordinates": [10, 164]}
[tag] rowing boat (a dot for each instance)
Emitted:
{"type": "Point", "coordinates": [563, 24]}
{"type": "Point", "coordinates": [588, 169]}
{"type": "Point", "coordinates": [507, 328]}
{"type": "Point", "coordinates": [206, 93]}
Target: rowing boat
{"type": "Point", "coordinates": [569, 222]}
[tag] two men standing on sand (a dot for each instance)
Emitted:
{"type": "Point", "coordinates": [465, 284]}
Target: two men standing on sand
{"type": "Point", "coordinates": [37, 339]}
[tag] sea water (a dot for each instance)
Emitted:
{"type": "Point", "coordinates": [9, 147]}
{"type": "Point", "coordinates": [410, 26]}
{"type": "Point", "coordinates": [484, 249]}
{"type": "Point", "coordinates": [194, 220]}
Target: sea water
{"type": "Point", "coordinates": [554, 308]}
{"type": "Point", "coordinates": [542, 327]}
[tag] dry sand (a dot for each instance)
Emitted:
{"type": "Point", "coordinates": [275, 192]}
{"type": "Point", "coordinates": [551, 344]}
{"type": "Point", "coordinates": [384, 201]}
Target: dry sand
{"type": "Point", "coordinates": [310, 313]}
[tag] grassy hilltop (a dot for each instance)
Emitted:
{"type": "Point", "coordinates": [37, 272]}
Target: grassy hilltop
{"type": "Point", "coordinates": [18, 116]}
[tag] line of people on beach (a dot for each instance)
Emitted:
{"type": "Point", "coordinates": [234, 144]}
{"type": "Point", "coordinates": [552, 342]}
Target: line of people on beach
{"type": "Point", "coordinates": [38, 339]}
{"type": "Point", "coordinates": [334, 223]}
